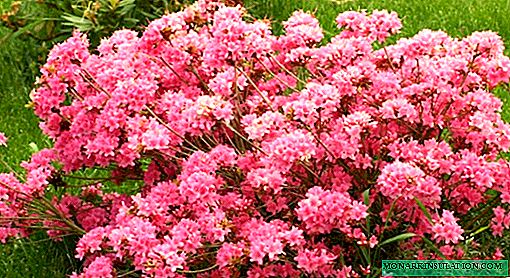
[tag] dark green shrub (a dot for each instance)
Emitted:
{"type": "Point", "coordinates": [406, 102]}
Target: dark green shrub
{"type": "Point", "coordinates": [50, 21]}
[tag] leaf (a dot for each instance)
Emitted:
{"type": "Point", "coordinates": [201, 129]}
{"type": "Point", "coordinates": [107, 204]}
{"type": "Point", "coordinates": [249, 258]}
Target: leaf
{"type": "Point", "coordinates": [397, 238]}
{"type": "Point", "coordinates": [23, 30]}
{"type": "Point", "coordinates": [33, 146]}
{"type": "Point", "coordinates": [424, 210]}
{"type": "Point", "coordinates": [126, 6]}
{"type": "Point", "coordinates": [390, 211]}
{"type": "Point", "coordinates": [366, 197]}
{"type": "Point", "coordinates": [433, 247]}
{"type": "Point", "coordinates": [366, 200]}
{"type": "Point", "coordinates": [79, 22]}
{"type": "Point", "coordinates": [491, 192]}
{"type": "Point", "coordinates": [479, 231]}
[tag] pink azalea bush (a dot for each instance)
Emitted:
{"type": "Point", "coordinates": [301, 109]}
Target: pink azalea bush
{"type": "Point", "coordinates": [264, 155]}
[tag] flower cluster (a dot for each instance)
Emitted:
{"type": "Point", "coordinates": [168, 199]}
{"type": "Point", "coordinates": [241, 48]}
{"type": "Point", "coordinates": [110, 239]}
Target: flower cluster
{"type": "Point", "coordinates": [250, 154]}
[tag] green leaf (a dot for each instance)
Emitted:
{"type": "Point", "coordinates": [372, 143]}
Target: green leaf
{"type": "Point", "coordinates": [126, 6]}
{"type": "Point", "coordinates": [397, 238]}
{"type": "Point", "coordinates": [390, 211]}
{"type": "Point", "coordinates": [366, 200]}
{"type": "Point", "coordinates": [78, 22]}
{"type": "Point", "coordinates": [365, 254]}
{"type": "Point", "coordinates": [479, 231]}
{"type": "Point", "coordinates": [434, 248]}
{"type": "Point", "coordinates": [366, 197]}
{"type": "Point", "coordinates": [23, 30]}
{"type": "Point", "coordinates": [424, 210]}
{"type": "Point", "coordinates": [492, 192]}
{"type": "Point", "coordinates": [33, 146]}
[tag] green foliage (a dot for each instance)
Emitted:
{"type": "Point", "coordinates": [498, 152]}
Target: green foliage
{"type": "Point", "coordinates": [50, 21]}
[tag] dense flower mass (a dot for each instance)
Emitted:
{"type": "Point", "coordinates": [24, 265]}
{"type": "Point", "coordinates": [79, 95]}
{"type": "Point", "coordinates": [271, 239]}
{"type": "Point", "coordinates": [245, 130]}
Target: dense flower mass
{"type": "Point", "coordinates": [245, 153]}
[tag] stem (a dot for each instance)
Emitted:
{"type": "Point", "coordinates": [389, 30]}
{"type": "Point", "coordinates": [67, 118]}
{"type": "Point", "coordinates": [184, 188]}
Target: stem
{"type": "Point", "coordinates": [90, 79]}
{"type": "Point", "coordinates": [272, 58]}
{"type": "Point", "coordinates": [310, 171]}
{"type": "Point", "coordinates": [36, 207]}
{"type": "Point", "coordinates": [11, 219]}
{"type": "Point", "coordinates": [12, 170]}
{"type": "Point", "coordinates": [46, 239]}
{"type": "Point", "coordinates": [256, 89]}
{"type": "Point", "coordinates": [320, 142]}
{"type": "Point", "coordinates": [199, 270]}
{"type": "Point", "coordinates": [470, 65]}
{"type": "Point", "coordinates": [209, 144]}
{"type": "Point", "coordinates": [171, 68]}
{"type": "Point", "coordinates": [230, 140]}
{"type": "Point", "coordinates": [127, 273]}
{"type": "Point", "coordinates": [15, 190]}
{"type": "Point", "coordinates": [86, 178]}
{"type": "Point", "coordinates": [349, 170]}
{"type": "Point", "coordinates": [68, 222]}
{"type": "Point", "coordinates": [203, 255]}
{"type": "Point", "coordinates": [482, 214]}
{"type": "Point", "coordinates": [389, 214]}
{"type": "Point", "coordinates": [73, 92]}
{"type": "Point", "coordinates": [389, 61]}
{"type": "Point", "coordinates": [44, 228]}
{"type": "Point", "coordinates": [279, 79]}
{"type": "Point", "coordinates": [206, 87]}
{"type": "Point", "coordinates": [245, 139]}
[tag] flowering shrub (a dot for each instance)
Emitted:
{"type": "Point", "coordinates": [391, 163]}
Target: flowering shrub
{"type": "Point", "coordinates": [264, 155]}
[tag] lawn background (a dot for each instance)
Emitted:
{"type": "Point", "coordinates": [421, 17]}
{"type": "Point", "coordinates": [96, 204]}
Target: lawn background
{"type": "Point", "coordinates": [19, 58]}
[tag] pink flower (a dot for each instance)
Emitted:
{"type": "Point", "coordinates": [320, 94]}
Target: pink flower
{"type": "Point", "coordinates": [91, 242]}
{"type": "Point", "coordinates": [404, 179]}
{"type": "Point", "coordinates": [323, 210]}
{"type": "Point", "coordinates": [266, 239]}
{"type": "Point", "coordinates": [3, 139]}
{"type": "Point", "coordinates": [101, 267]}
{"type": "Point", "coordinates": [498, 255]}
{"type": "Point", "coordinates": [301, 29]}
{"type": "Point", "coordinates": [447, 229]}
{"type": "Point", "coordinates": [228, 253]}
{"type": "Point", "coordinates": [317, 260]}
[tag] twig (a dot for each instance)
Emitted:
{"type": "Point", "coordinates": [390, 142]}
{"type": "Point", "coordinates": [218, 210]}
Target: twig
{"type": "Point", "coordinates": [245, 139]}
{"type": "Point", "coordinates": [199, 270]}
{"type": "Point", "coordinates": [172, 69]}
{"type": "Point", "coordinates": [12, 170]}
{"type": "Point", "coordinates": [285, 69]}
{"type": "Point", "coordinates": [279, 79]}
{"type": "Point", "coordinates": [257, 89]}
{"type": "Point", "coordinates": [127, 273]}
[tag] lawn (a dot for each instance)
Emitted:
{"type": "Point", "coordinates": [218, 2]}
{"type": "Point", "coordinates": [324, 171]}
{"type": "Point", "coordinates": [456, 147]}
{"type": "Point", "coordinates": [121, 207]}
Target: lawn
{"type": "Point", "coordinates": [18, 68]}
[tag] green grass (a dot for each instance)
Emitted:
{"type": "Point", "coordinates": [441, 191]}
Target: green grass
{"type": "Point", "coordinates": [34, 257]}
{"type": "Point", "coordinates": [18, 60]}
{"type": "Point", "coordinates": [458, 18]}
{"type": "Point", "coordinates": [37, 257]}
{"type": "Point", "coordinates": [17, 73]}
